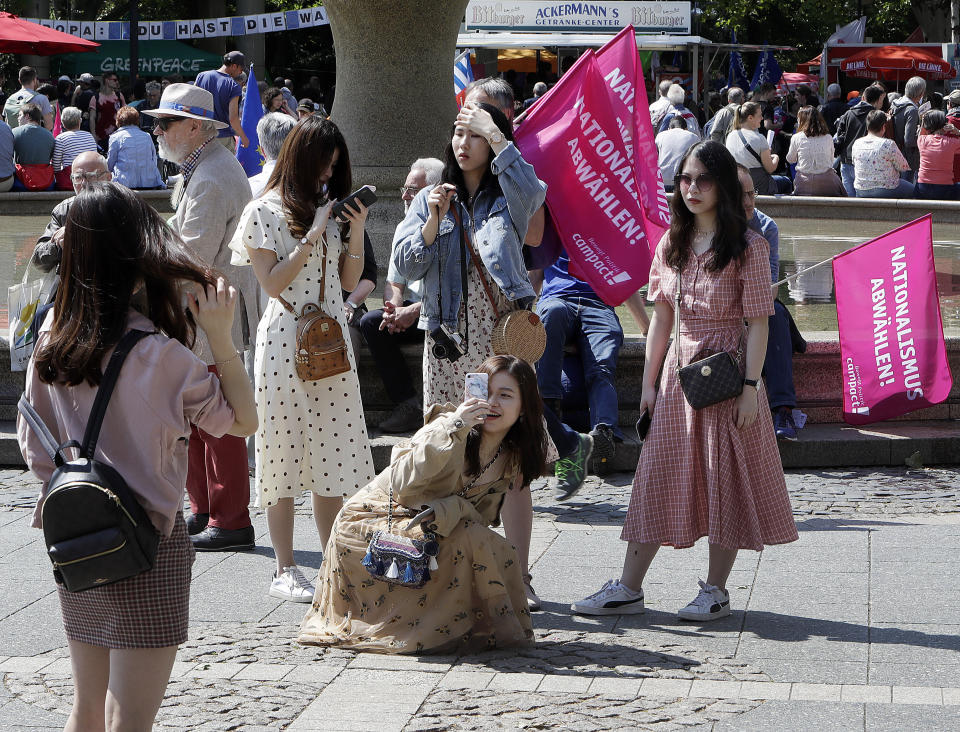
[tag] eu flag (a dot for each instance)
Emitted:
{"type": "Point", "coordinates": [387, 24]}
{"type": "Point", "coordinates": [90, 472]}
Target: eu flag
{"type": "Point", "coordinates": [251, 156]}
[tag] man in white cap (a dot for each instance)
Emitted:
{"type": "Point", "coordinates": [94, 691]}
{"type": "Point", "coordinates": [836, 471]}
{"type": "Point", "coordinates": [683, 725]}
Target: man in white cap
{"type": "Point", "coordinates": [208, 201]}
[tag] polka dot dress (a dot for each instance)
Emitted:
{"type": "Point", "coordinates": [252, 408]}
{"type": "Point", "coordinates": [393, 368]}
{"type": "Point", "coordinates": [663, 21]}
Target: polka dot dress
{"type": "Point", "coordinates": [312, 434]}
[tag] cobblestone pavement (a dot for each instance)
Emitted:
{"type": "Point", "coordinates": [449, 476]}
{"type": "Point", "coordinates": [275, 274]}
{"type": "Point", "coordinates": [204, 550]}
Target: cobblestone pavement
{"type": "Point", "coordinates": [820, 638]}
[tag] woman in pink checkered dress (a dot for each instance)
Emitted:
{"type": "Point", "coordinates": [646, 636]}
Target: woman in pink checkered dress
{"type": "Point", "coordinates": [716, 471]}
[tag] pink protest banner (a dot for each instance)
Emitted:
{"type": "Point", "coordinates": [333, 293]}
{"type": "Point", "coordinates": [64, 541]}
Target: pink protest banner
{"type": "Point", "coordinates": [619, 62]}
{"type": "Point", "coordinates": [576, 147]}
{"type": "Point", "coordinates": [891, 335]}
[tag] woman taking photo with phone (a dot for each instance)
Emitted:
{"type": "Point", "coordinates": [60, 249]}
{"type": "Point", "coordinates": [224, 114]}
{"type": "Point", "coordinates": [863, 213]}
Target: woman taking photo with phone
{"type": "Point", "coordinates": [484, 201]}
{"type": "Point", "coordinates": [713, 471]}
{"type": "Point", "coordinates": [312, 436]}
{"type": "Point", "coordinates": [445, 485]}
{"type": "Point", "coordinates": [123, 269]}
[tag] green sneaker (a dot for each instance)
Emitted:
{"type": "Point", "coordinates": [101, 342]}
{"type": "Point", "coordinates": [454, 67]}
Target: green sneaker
{"type": "Point", "coordinates": [571, 471]}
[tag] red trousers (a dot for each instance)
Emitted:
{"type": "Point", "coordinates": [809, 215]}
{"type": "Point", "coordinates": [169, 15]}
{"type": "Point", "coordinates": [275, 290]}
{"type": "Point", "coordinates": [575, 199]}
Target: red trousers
{"type": "Point", "coordinates": [218, 481]}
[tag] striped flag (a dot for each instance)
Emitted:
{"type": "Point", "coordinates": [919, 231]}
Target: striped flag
{"type": "Point", "coordinates": [462, 76]}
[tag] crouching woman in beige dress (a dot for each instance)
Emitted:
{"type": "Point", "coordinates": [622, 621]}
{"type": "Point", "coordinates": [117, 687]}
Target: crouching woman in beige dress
{"type": "Point", "coordinates": [452, 476]}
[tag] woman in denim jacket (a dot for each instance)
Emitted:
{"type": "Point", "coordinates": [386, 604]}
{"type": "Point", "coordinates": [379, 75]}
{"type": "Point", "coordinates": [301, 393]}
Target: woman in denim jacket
{"type": "Point", "coordinates": [493, 191]}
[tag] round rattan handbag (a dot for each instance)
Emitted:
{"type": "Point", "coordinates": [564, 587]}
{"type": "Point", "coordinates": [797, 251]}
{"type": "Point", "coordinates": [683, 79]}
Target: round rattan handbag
{"type": "Point", "coordinates": [518, 333]}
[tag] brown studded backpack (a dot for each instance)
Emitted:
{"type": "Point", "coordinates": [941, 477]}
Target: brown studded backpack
{"type": "Point", "coordinates": [321, 347]}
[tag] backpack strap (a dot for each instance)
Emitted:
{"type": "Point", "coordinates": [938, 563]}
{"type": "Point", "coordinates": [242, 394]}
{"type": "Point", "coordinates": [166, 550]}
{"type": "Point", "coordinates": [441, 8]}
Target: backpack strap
{"type": "Point", "coordinates": [110, 376]}
{"type": "Point", "coordinates": [42, 432]}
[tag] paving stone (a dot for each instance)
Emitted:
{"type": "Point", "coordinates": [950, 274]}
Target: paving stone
{"type": "Point", "coordinates": [666, 687]}
{"type": "Point", "coordinates": [917, 695]}
{"type": "Point", "coordinates": [764, 690]}
{"type": "Point", "coordinates": [715, 689]}
{"type": "Point", "coordinates": [893, 718]}
{"type": "Point", "coordinates": [615, 688]}
{"type": "Point", "coordinates": [951, 695]}
{"type": "Point", "coordinates": [865, 694]}
{"type": "Point", "coordinates": [264, 671]}
{"type": "Point", "coordinates": [815, 692]}
{"type": "Point", "coordinates": [515, 682]}
{"type": "Point", "coordinates": [570, 684]}
{"type": "Point", "coordinates": [468, 680]}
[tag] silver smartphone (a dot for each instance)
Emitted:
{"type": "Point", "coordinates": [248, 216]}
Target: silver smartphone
{"type": "Point", "coordinates": [477, 386]}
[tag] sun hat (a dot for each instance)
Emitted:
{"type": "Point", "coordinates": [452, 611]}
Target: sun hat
{"type": "Point", "coordinates": [954, 98]}
{"type": "Point", "coordinates": [65, 78]}
{"type": "Point", "coordinates": [86, 78]}
{"type": "Point", "coordinates": [186, 100]}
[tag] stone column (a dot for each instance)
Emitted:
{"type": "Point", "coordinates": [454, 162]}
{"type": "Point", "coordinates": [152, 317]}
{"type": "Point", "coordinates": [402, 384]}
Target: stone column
{"type": "Point", "coordinates": [253, 47]}
{"type": "Point", "coordinates": [37, 9]}
{"type": "Point", "coordinates": [394, 99]}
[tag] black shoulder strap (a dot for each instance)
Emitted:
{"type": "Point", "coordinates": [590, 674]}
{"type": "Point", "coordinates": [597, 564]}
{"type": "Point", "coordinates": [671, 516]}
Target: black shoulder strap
{"type": "Point", "coordinates": [747, 145]}
{"type": "Point", "coordinates": [100, 402]}
{"type": "Point", "coordinates": [110, 376]}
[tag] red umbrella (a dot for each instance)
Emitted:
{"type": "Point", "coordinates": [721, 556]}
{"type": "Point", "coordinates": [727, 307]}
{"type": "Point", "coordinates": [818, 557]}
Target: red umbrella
{"type": "Point", "coordinates": [895, 63]}
{"type": "Point", "coordinates": [22, 36]}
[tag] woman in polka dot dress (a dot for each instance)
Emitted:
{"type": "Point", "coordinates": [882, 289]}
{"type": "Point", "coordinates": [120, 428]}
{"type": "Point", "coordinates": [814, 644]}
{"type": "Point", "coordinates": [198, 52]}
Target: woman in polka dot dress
{"type": "Point", "coordinates": [312, 434]}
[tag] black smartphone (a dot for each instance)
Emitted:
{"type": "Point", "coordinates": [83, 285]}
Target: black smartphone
{"type": "Point", "coordinates": [365, 195]}
{"type": "Point", "coordinates": [643, 425]}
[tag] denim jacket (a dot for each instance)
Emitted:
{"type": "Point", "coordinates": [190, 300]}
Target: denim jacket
{"type": "Point", "coordinates": [497, 229]}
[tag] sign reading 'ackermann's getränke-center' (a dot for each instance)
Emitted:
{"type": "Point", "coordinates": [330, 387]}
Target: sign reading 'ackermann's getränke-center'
{"type": "Point", "coordinates": [587, 17]}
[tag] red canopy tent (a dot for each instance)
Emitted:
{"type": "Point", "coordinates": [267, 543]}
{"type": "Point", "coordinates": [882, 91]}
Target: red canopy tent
{"type": "Point", "coordinates": [22, 36]}
{"type": "Point", "coordinates": [896, 63]}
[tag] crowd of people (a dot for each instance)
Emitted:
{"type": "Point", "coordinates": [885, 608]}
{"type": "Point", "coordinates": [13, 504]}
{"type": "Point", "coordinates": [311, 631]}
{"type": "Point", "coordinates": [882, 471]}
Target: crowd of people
{"type": "Point", "coordinates": [875, 143]}
{"type": "Point", "coordinates": [253, 257]}
{"type": "Point", "coordinates": [45, 127]}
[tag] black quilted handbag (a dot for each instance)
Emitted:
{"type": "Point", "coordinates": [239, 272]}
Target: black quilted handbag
{"type": "Point", "coordinates": [709, 380]}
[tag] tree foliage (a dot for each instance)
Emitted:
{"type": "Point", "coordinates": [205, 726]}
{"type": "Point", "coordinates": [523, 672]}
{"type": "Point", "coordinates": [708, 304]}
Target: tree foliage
{"type": "Point", "coordinates": [806, 24]}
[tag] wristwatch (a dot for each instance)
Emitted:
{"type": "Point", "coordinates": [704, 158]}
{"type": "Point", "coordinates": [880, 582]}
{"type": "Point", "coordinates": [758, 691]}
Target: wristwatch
{"type": "Point", "coordinates": [496, 138]}
{"type": "Point", "coordinates": [755, 383]}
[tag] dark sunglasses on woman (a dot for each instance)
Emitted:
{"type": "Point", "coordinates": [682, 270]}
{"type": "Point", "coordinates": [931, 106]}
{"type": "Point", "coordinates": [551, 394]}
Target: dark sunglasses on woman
{"type": "Point", "coordinates": [704, 181]}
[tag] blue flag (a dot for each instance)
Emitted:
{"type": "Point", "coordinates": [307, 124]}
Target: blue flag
{"type": "Point", "coordinates": [737, 74]}
{"type": "Point", "coordinates": [768, 70]}
{"type": "Point", "coordinates": [251, 156]}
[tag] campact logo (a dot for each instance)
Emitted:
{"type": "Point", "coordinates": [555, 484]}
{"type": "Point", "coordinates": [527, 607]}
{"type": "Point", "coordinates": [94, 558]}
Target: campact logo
{"type": "Point", "coordinates": [855, 389]}
{"type": "Point", "coordinates": [591, 258]}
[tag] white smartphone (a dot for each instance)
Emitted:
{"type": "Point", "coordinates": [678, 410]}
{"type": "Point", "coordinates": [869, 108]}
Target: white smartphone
{"type": "Point", "coordinates": [477, 385]}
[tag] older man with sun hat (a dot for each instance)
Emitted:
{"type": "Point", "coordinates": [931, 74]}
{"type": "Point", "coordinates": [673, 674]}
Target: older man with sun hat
{"type": "Point", "coordinates": [208, 200]}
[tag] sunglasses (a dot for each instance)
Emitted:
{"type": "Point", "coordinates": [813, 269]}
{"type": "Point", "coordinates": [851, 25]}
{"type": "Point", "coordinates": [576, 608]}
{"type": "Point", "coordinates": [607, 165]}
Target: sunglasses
{"type": "Point", "coordinates": [704, 181]}
{"type": "Point", "coordinates": [164, 122]}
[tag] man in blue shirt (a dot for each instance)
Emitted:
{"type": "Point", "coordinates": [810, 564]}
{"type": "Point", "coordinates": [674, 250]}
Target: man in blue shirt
{"type": "Point", "coordinates": [222, 83]}
{"type": "Point", "coordinates": [778, 366]}
{"type": "Point", "coordinates": [572, 312]}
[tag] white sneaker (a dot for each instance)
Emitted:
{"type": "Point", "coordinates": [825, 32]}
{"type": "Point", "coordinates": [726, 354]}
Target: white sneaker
{"type": "Point", "coordinates": [711, 603]}
{"type": "Point", "coordinates": [292, 585]}
{"type": "Point", "coordinates": [611, 599]}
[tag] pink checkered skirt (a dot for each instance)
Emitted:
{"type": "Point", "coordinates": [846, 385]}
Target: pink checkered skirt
{"type": "Point", "coordinates": [151, 610]}
{"type": "Point", "coordinates": [699, 475]}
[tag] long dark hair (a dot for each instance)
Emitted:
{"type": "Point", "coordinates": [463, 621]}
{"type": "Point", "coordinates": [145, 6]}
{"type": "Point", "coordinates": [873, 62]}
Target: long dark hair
{"type": "Point", "coordinates": [305, 154]}
{"type": "Point", "coordinates": [451, 169]}
{"type": "Point", "coordinates": [526, 438]}
{"type": "Point", "coordinates": [729, 242]}
{"type": "Point", "coordinates": [114, 246]}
